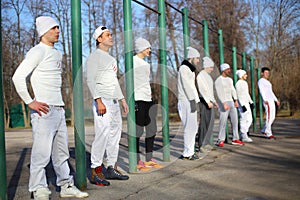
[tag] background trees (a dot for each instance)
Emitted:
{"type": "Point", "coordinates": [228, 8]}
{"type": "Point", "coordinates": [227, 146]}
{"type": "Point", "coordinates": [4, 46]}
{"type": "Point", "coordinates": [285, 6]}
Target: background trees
{"type": "Point", "coordinates": [267, 29]}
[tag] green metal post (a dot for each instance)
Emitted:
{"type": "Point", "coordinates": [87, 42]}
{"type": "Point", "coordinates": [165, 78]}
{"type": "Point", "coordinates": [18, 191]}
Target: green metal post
{"type": "Point", "coordinates": [260, 103]}
{"type": "Point", "coordinates": [186, 32]}
{"type": "Point", "coordinates": [221, 55]}
{"type": "Point", "coordinates": [129, 85]}
{"type": "Point", "coordinates": [205, 38]}
{"type": "Point", "coordinates": [221, 47]}
{"type": "Point", "coordinates": [164, 78]}
{"type": "Point", "coordinates": [78, 94]}
{"type": "Point", "coordinates": [244, 61]}
{"type": "Point", "coordinates": [253, 92]}
{"type": "Point", "coordinates": [3, 183]}
{"type": "Point", "coordinates": [234, 65]}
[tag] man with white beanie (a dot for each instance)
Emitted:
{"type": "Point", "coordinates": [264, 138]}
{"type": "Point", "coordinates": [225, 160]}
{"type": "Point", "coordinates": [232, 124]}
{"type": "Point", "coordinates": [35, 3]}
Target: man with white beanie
{"type": "Point", "coordinates": [187, 102]}
{"type": "Point", "coordinates": [227, 105]}
{"type": "Point", "coordinates": [49, 130]}
{"type": "Point", "coordinates": [145, 111]}
{"type": "Point", "coordinates": [106, 92]}
{"type": "Point", "coordinates": [245, 105]}
{"type": "Point", "coordinates": [207, 104]}
{"type": "Point", "coordinates": [269, 100]}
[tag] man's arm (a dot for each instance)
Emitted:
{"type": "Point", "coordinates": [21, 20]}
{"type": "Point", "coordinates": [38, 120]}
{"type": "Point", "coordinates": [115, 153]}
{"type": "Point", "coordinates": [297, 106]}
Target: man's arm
{"type": "Point", "coordinates": [32, 60]}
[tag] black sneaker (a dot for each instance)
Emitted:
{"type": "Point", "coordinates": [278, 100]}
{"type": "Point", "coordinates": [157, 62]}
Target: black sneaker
{"type": "Point", "coordinates": [193, 157]}
{"type": "Point", "coordinates": [100, 182]}
{"type": "Point", "coordinates": [98, 178]}
{"type": "Point", "coordinates": [114, 174]}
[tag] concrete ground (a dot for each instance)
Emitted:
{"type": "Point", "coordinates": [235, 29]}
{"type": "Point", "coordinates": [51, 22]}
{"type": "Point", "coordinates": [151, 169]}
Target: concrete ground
{"type": "Point", "coordinates": [263, 170]}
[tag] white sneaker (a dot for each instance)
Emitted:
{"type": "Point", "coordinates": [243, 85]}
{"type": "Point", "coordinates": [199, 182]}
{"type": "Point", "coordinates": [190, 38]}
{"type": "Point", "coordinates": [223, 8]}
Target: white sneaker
{"type": "Point", "coordinates": [247, 139]}
{"type": "Point", "coordinates": [68, 191]}
{"type": "Point", "coordinates": [42, 193]}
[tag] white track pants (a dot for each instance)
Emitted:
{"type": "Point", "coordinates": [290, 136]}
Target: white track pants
{"type": "Point", "coordinates": [190, 127]}
{"type": "Point", "coordinates": [108, 129]}
{"type": "Point", "coordinates": [50, 139]}
{"type": "Point", "coordinates": [245, 120]}
{"type": "Point", "coordinates": [270, 110]}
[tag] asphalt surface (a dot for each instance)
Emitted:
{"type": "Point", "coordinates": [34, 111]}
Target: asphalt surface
{"type": "Point", "coordinates": [262, 170]}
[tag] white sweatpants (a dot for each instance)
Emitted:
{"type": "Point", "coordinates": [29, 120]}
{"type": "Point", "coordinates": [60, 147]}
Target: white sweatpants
{"type": "Point", "coordinates": [50, 139]}
{"type": "Point", "coordinates": [245, 120]}
{"type": "Point", "coordinates": [108, 129]}
{"type": "Point", "coordinates": [270, 110]}
{"type": "Point", "coordinates": [190, 127]}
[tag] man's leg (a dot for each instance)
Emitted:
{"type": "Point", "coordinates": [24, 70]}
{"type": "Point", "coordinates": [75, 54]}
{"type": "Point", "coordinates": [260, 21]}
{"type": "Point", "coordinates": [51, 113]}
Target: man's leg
{"type": "Point", "coordinates": [43, 130]}
{"type": "Point", "coordinates": [209, 132]}
{"type": "Point", "coordinates": [60, 150]}
{"type": "Point", "coordinates": [101, 126]}
{"type": "Point", "coordinates": [223, 121]}
{"type": "Point", "coordinates": [204, 123]}
{"type": "Point", "coordinates": [234, 122]}
{"type": "Point", "coordinates": [270, 118]}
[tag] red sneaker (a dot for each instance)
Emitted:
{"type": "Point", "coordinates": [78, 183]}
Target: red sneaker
{"type": "Point", "coordinates": [271, 137]}
{"type": "Point", "coordinates": [220, 143]}
{"type": "Point", "coordinates": [237, 142]}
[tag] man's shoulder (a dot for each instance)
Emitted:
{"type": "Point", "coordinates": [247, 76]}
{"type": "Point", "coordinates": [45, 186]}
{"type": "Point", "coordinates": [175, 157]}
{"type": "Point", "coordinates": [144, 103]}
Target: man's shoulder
{"type": "Point", "coordinates": [218, 78]}
{"type": "Point", "coordinates": [37, 51]}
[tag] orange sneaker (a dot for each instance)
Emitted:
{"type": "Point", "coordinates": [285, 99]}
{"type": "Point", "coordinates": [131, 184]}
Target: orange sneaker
{"type": "Point", "coordinates": [141, 167]}
{"type": "Point", "coordinates": [153, 163]}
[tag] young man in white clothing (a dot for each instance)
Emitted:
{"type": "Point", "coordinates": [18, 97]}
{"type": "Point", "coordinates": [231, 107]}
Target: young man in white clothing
{"type": "Point", "coordinates": [106, 91]}
{"type": "Point", "coordinates": [245, 105]}
{"type": "Point", "coordinates": [145, 111]}
{"type": "Point", "coordinates": [269, 100]}
{"type": "Point", "coordinates": [49, 130]}
{"type": "Point", "coordinates": [207, 104]}
{"type": "Point", "coordinates": [227, 105]}
{"type": "Point", "coordinates": [187, 101]}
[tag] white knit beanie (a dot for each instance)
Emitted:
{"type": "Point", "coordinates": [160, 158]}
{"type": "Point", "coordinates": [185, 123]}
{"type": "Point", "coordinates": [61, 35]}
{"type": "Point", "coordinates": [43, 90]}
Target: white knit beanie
{"type": "Point", "coordinates": [192, 53]}
{"type": "Point", "coordinates": [240, 73]}
{"type": "Point", "coordinates": [207, 62]}
{"type": "Point", "coordinates": [44, 24]}
{"type": "Point", "coordinates": [141, 44]}
{"type": "Point", "coordinates": [98, 32]}
{"type": "Point", "coordinates": [224, 66]}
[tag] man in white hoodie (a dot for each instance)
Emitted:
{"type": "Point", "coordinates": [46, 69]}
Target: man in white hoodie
{"type": "Point", "coordinates": [269, 100]}
{"type": "Point", "coordinates": [106, 91]}
{"type": "Point", "coordinates": [49, 130]}
{"type": "Point", "coordinates": [187, 102]}
{"type": "Point", "coordinates": [207, 104]}
{"type": "Point", "coordinates": [245, 105]}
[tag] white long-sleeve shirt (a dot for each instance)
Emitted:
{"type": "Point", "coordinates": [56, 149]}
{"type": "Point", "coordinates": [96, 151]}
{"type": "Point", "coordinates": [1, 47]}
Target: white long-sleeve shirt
{"type": "Point", "coordinates": [265, 89]}
{"type": "Point", "coordinates": [45, 64]}
{"type": "Point", "coordinates": [186, 84]}
{"type": "Point", "coordinates": [141, 71]}
{"type": "Point", "coordinates": [242, 91]}
{"type": "Point", "coordinates": [225, 89]}
{"type": "Point", "coordinates": [206, 86]}
{"type": "Point", "coordinates": [102, 75]}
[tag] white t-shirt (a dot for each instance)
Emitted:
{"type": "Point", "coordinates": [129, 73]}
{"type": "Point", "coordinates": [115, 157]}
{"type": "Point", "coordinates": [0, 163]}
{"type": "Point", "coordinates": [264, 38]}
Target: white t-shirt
{"type": "Point", "coordinates": [225, 89]}
{"type": "Point", "coordinates": [206, 86]}
{"type": "Point", "coordinates": [265, 89]}
{"type": "Point", "coordinates": [102, 75]}
{"type": "Point", "coordinates": [141, 72]}
{"type": "Point", "coordinates": [45, 64]}
{"type": "Point", "coordinates": [242, 91]}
